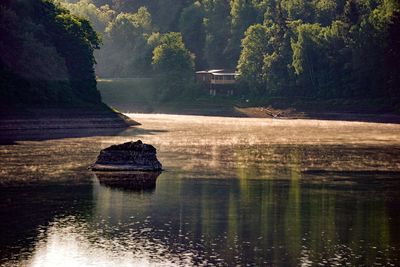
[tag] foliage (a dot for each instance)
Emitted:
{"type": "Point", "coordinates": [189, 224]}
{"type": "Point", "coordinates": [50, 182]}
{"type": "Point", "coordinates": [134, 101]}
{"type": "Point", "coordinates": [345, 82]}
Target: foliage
{"type": "Point", "coordinates": [193, 32]}
{"type": "Point", "coordinates": [216, 25]}
{"type": "Point", "coordinates": [320, 49]}
{"type": "Point", "coordinates": [315, 50]}
{"type": "Point", "coordinates": [171, 55]}
{"type": "Point", "coordinates": [166, 12]}
{"type": "Point", "coordinates": [46, 55]}
{"type": "Point", "coordinates": [243, 14]}
{"type": "Point", "coordinates": [125, 51]}
{"type": "Point", "coordinates": [254, 49]}
{"type": "Point", "coordinates": [98, 16]}
{"type": "Point", "coordinates": [323, 49]}
{"type": "Point", "coordinates": [174, 65]}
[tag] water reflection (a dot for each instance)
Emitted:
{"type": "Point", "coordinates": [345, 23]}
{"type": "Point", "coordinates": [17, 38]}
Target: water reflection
{"type": "Point", "coordinates": [27, 211]}
{"type": "Point", "coordinates": [130, 181]}
{"type": "Point", "coordinates": [72, 241]}
{"type": "Point", "coordinates": [189, 222]}
{"type": "Point", "coordinates": [232, 195]}
{"type": "Point", "coordinates": [259, 222]}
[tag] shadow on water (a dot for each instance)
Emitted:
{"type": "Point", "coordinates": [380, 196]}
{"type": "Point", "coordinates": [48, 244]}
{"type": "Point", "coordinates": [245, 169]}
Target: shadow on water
{"type": "Point", "coordinates": [129, 181]}
{"type": "Point", "coordinates": [134, 131]}
{"type": "Point", "coordinates": [13, 136]}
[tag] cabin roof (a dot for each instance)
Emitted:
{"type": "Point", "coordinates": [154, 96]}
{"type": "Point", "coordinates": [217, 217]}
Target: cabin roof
{"type": "Point", "coordinates": [217, 72]}
{"type": "Point", "coordinates": [209, 71]}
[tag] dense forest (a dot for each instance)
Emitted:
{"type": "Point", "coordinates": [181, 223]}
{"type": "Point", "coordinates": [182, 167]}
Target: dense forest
{"type": "Point", "coordinates": [321, 49]}
{"type": "Point", "coordinates": [291, 48]}
{"type": "Point", "coordinates": [46, 56]}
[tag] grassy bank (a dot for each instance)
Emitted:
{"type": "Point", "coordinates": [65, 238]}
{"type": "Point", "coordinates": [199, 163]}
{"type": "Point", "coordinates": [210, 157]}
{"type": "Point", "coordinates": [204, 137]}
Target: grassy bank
{"type": "Point", "coordinates": [139, 94]}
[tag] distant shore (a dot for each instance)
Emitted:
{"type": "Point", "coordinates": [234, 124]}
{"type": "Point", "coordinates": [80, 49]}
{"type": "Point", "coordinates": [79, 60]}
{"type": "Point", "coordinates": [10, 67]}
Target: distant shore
{"type": "Point", "coordinates": [138, 95]}
{"type": "Point", "coordinates": [269, 112]}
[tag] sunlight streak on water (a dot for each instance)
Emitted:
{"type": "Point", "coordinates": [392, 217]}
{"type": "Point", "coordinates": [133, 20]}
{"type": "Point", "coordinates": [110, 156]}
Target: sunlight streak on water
{"type": "Point", "coordinates": [203, 130]}
{"type": "Point", "coordinates": [223, 143]}
{"type": "Point", "coordinates": [69, 242]}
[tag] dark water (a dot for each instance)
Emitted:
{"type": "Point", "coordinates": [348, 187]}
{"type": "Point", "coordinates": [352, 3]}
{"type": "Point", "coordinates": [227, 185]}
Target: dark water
{"type": "Point", "coordinates": [236, 192]}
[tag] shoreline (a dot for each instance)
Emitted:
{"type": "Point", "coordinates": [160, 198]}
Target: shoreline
{"type": "Point", "coordinates": [67, 119]}
{"type": "Point", "coordinates": [64, 118]}
{"type": "Point", "coordinates": [291, 113]}
{"type": "Point", "coordinates": [136, 95]}
{"type": "Point", "coordinates": [45, 124]}
{"type": "Point", "coordinates": [271, 113]}
{"type": "Point", "coordinates": [48, 124]}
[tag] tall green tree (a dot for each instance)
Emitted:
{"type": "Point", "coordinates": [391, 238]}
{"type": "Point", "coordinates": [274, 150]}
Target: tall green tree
{"type": "Point", "coordinates": [217, 32]}
{"type": "Point", "coordinates": [174, 65]}
{"type": "Point", "coordinates": [125, 51]}
{"type": "Point", "coordinates": [243, 14]}
{"type": "Point", "coordinates": [251, 62]}
{"type": "Point", "coordinates": [319, 57]}
{"type": "Point", "coordinates": [192, 29]}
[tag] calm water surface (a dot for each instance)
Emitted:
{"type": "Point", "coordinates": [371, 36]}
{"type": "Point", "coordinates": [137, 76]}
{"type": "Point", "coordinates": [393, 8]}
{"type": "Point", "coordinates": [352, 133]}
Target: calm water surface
{"type": "Point", "coordinates": [236, 192]}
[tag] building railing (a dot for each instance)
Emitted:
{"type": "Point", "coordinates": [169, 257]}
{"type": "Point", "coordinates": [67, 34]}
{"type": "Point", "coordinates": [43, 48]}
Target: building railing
{"type": "Point", "coordinates": [222, 81]}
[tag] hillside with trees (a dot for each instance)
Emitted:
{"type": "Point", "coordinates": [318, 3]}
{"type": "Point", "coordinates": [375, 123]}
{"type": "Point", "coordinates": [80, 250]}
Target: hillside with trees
{"type": "Point", "coordinates": [46, 56]}
{"type": "Point", "coordinates": [308, 49]}
{"type": "Point", "coordinates": [311, 49]}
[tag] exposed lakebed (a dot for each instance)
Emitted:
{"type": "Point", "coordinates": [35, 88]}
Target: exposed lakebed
{"type": "Point", "coordinates": [235, 191]}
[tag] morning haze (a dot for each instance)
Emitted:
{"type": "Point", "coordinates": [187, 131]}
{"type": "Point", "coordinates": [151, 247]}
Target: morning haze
{"type": "Point", "coordinates": [273, 126]}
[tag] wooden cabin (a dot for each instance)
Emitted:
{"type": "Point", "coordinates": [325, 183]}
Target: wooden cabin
{"type": "Point", "coordinates": [218, 81]}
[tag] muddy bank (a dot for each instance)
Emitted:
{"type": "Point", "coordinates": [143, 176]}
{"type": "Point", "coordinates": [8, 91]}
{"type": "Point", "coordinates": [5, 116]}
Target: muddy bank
{"type": "Point", "coordinates": [63, 119]}
{"type": "Point", "coordinates": [44, 124]}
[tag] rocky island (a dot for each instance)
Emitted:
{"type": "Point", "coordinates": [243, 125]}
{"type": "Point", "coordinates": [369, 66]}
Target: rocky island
{"type": "Point", "coordinates": [130, 156]}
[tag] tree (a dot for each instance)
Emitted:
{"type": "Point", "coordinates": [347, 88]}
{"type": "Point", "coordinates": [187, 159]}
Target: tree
{"type": "Point", "coordinates": [243, 14]}
{"type": "Point", "coordinates": [392, 55]}
{"type": "Point", "coordinates": [264, 60]}
{"type": "Point", "coordinates": [166, 12]}
{"type": "Point", "coordinates": [314, 48]}
{"type": "Point", "coordinates": [98, 16]}
{"type": "Point", "coordinates": [125, 51]}
{"type": "Point", "coordinates": [319, 56]}
{"type": "Point", "coordinates": [251, 62]}
{"type": "Point", "coordinates": [192, 29]}
{"type": "Point", "coordinates": [174, 64]}
{"type": "Point", "coordinates": [217, 32]}
{"type": "Point", "coordinates": [52, 55]}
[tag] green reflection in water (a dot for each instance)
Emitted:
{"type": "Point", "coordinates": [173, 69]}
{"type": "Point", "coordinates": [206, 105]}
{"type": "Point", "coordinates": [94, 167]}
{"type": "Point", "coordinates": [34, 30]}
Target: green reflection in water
{"type": "Point", "coordinates": [256, 216]}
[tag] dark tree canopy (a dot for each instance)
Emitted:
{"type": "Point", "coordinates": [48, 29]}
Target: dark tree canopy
{"type": "Point", "coordinates": [286, 48]}
{"type": "Point", "coordinates": [46, 55]}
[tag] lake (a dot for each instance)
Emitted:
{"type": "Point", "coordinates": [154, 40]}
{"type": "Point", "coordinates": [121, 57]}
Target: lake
{"type": "Point", "coordinates": [235, 192]}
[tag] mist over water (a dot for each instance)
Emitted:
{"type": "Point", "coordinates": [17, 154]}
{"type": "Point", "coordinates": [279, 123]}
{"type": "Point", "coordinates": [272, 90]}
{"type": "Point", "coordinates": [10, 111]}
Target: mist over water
{"type": "Point", "coordinates": [235, 191]}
